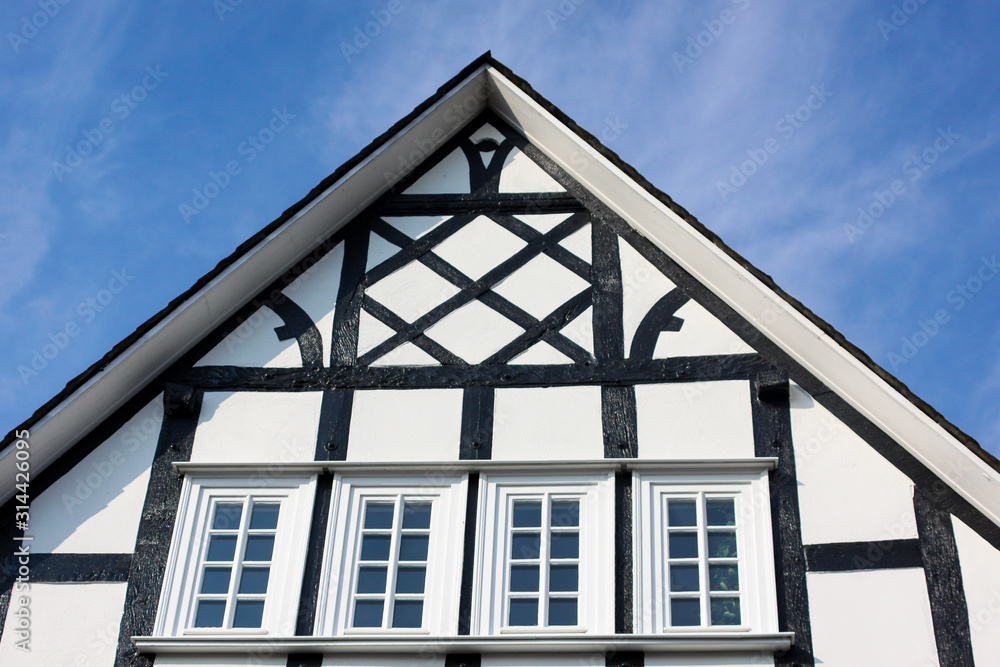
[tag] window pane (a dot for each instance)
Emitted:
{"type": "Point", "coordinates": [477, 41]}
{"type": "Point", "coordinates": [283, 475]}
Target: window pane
{"type": "Point", "coordinates": [248, 613]}
{"type": "Point", "coordinates": [684, 578]}
{"type": "Point", "coordinates": [227, 516]}
{"type": "Point", "coordinates": [685, 612]}
{"type": "Point", "coordinates": [527, 514]}
{"type": "Point", "coordinates": [407, 613]}
{"type": "Point", "coordinates": [410, 580]}
{"type": "Point", "coordinates": [563, 578]}
{"type": "Point", "coordinates": [683, 545]}
{"type": "Point", "coordinates": [523, 612]}
{"type": "Point", "coordinates": [379, 515]}
{"type": "Point", "coordinates": [264, 516]}
{"type": "Point", "coordinates": [259, 547]}
{"type": "Point", "coordinates": [725, 611]}
{"type": "Point", "coordinates": [413, 547]}
{"type": "Point", "coordinates": [721, 512]}
{"type": "Point", "coordinates": [722, 545]}
{"type": "Point", "coordinates": [524, 546]}
{"type": "Point", "coordinates": [524, 578]}
{"type": "Point", "coordinates": [215, 580]}
{"type": "Point", "coordinates": [368, 614]}
{"type": "Point", "coordinates": [724, 577]}
{"type": "Point", "coordinates": [562, 611]}
{"type": "Point", "coordinates": [565, 512]}
{"type": "Point", "coordinates": [254, 580]}
{"type": "Point", "coordinates": [565, 545]}
{"type": "Point", "coordinates": [681, 512]}
{"type": "Point", "coordinates": [416, 515]}
{"type": "Point", "coordinates": [375, 547]}
{"type": "Point", "coordinates": [210, 614]}
{"type": "Point", "coordinates": [371, 579]}
{"type": "Point", "coordinates": [221, 547]}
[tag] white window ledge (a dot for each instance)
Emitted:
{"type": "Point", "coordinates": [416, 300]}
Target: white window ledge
{"type": "Point", "coordinates": [672, 643]}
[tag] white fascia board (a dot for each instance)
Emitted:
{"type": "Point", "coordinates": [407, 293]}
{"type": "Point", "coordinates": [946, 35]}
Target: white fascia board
{"type": "Point", "coordinates": [178, 332]}
{"type": "Point", "coordinates": [802, 340]}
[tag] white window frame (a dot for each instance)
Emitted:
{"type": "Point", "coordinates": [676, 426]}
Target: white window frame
{"type": "Point", "coordinates": [442, 583]}
{"type": "Point", "coordinates": [758, 606]}
{"type": "Point", "coordinates": [596, 567]}
{"type": "Point", "coordinates": [175, 614]}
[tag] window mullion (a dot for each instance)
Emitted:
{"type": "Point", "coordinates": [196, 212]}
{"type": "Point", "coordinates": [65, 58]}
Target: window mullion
{"type": "Point", "coordinates": [393, 566]}
{"type": "Point", "coordinates": [544, 561]}
{"type": "Point", "coordinates": [703, 560]}
{"type": "Point", "coordinates": [241, 539]}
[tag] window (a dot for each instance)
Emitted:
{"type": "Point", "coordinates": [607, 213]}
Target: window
{"type": "Point", "coordinates": [545, 556]}
{"type": "Point", "coordinates": [704, 554]}
{"type": "Point", "coordinates": [236, 558]}
{"type": "Point", "coordinates": [394, 548]}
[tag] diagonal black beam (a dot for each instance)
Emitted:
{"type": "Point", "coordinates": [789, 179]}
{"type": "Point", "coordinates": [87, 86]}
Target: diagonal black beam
{"type": "Point", "coordinates": [405, 332]}
{"type": "Point", "coordinates": [548, 329]}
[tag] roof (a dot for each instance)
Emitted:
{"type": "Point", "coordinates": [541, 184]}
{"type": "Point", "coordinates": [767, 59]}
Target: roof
{"type": "Point", "coordinates": [139, 358]}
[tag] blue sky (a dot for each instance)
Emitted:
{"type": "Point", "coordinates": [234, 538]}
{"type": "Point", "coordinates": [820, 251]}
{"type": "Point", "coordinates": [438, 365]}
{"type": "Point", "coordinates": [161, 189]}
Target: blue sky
{"type": "Point", "coordinates": [871, 131]}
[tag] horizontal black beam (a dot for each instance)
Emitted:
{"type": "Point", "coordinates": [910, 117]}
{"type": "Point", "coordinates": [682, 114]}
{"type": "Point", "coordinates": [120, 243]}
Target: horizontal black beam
{"type": "Point", "coordinates": [79, 568]}
{"type": "Point", "coordinates": [858, 556]}
{"type": "Point", "coordinates": [501, 203]}
{"type": "Point", "coordinates": [606, 372]}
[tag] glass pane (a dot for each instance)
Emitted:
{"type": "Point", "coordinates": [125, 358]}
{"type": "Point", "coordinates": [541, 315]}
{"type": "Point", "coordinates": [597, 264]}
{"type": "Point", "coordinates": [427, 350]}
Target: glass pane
{"type": "Point", "coordinates": [416, 515]}
{"type": "Point", "coordinates": [379, 515]}
{"type": "Point", "coordinates": [248, 613]}
{"type": "Point", "coordinates": [527, 514]}
{"type": "Point", "coordinates": [563, 578]}
{"type": "Point", "coordinates": [562, 611]}
{"type": "Point", "coordinates": [565, 512]}
{"type": "Point", "coordinates": [227, 516]}
{"type": "Point", "coordinates": [254, 580]}
{"type": "Point", "coordinates": [375, 547]}
{"type": "Point", "coordinates": [683, 545]}
{"type": "Point", "coordinates": [725, 611]}
{"type": "Point", "coordinates": [210, 614]}
{"type": "Point", "coordinates": [565, 545]}
{"type": "Point", "coordinates": [215, 580]}
{"type": "Point", "coordinates": [523, 611]}
{"type": "Point", "coordinates": [410, 580]}
{"type": "Point", "coordinates": [221, 547]}
{"type": "Point", "coordinates": [721, 512]}
{"type": "Point", "coordinates": [413, 547]}
{"type": "Point", "coordinates": [685, 612]}
{"type": "Point", "coordinates": [681, 513]}
{"type": "Point", "coordinates": [371, 580]}
{"type": "Point", "coordinates": [524, 578]}
{"type": "Point", "coordinates": [259, 547]}
{"type": "Point", "coordinates": [524, 546]}
{"type": "Point", "coordinates": [407, 613]}
{"type": "Point", "coordinates": [722, 545]}
{"type": "Point", "coordinates": [684, 578]}
{"type": "Point", "coordinates": [368, 614]}
{"type": "Point", "coordinates": [264, 516]}
{"type": "Point", "coordinates": [724, 577]}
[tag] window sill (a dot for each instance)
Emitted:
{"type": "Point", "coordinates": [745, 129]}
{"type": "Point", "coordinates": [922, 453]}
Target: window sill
{"type": "Point", "coordinates": [533, 643]}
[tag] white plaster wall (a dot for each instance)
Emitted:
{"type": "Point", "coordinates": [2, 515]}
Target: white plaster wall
{"type": "Point", "coordinates": [75, 625]}
{"type": "Point", "coordinates": [694, 420]}
{"type": "Point", "coordinates": [450, 175]}
{"type": "Point", "coordinates": [315, 291]}
{"type": "Point", "coordinates": [254, 344]}
{"type": "Point", "coordinates": [642, 287]}
{"type": "Point", "coordinates": [548, 423]}
{"type": "Point", "coordinates": [257, 426]}
{"type": "Point", "coordinates": [405, 425]}
{"type": "Point", "coordinates": [96, 506]}
{"type": "Point", "coordinates": [708, 660]}
{"type": "Point", "coordinates": [877, 617]}
{"type": "Point", "coordinates": [847, 491]}
{"type": "Point", "coordinates": [701, 334]}
{"type": "Point", "coordinates": [981, 577]}
{"type": "Point", "coordinates": [521, 174]}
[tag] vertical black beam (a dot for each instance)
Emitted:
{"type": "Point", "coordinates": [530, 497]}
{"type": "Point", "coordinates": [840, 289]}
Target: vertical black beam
{"type": "Point", "coordinates": [625, 659]}
{"type": "Point", "coordinates": [606, 277]}
{"type": "Point", "coordinates": [943, 573]}
{"type": "Point", "coordinates": [344, 342]}
{"type": "Point", "coordinates": [181, 408]}
{"type": "Point", "coordinates": [772, 429]}
{"type": "Point", "coordinates": [334, 425]}
{"type": "Point", "coordinates": [477, 423]}
{"type": "Point", "coordinates": [624, 571]}
{"type": "Point", "coordinates": [468, 557]}
{"type": "Point", "coordinates": [618, 418]}
{"type": "Point", "coordinates": [463, 660]}
{"type": "Point", "coordinates": [309, 597]}
{"type": "Point", "coordinates": [304, 660]}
